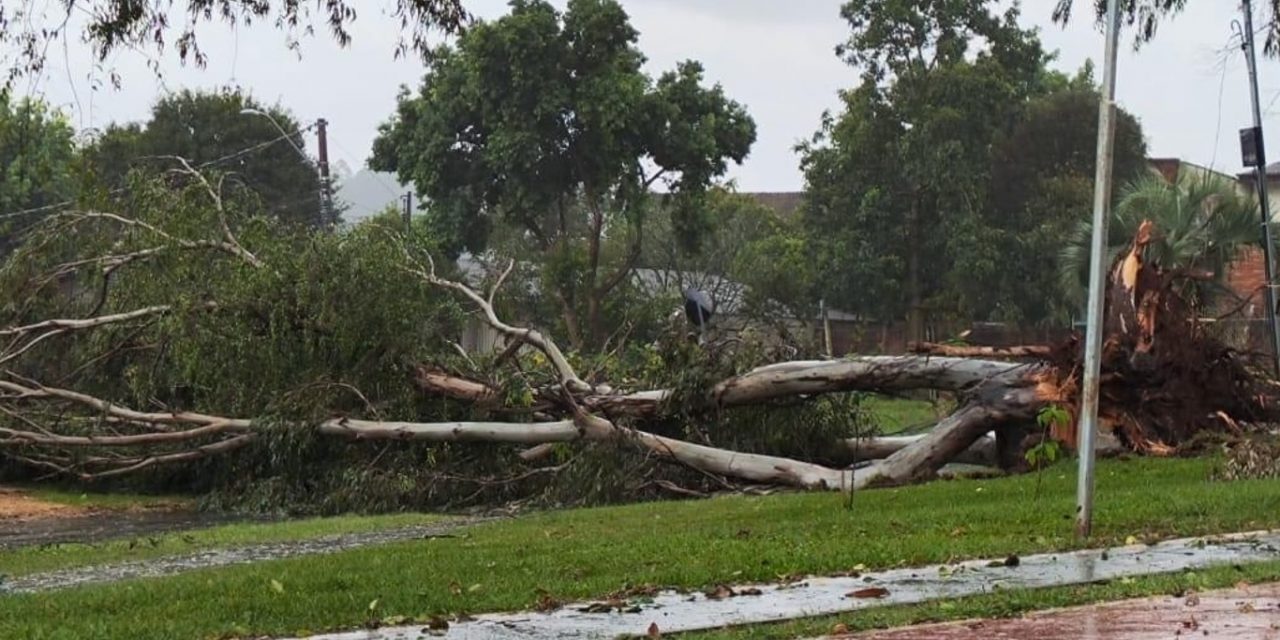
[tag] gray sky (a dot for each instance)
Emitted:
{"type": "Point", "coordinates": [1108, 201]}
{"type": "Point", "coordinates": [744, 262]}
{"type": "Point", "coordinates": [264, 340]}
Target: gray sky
{"type": "Point", "coordinates": [774, 56]}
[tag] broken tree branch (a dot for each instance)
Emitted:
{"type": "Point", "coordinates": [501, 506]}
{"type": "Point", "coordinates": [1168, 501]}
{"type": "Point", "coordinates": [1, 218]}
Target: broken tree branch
{"type": "Point", "coordinates": [975, 351]}
{"type": "Point", "coordinates": [530, 336]}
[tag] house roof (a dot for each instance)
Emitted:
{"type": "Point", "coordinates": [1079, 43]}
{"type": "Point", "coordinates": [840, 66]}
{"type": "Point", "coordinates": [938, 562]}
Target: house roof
{"type": "Point", "coordinates": [728, 295]}
{"type": "Point", "coordinates": [1171, 168]}
{"type": "Point", "coordinates": [1273, 173]}
{"type": "Point", "coordinates": [785, 203]}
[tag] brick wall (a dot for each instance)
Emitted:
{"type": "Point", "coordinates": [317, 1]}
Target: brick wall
{"type": "Point", "coordinates": [1246, 277]}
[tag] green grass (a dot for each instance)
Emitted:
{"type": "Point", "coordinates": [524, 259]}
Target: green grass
{"type": "Point", "coordinates": [110, 501]}
{"type": "Point", "coordinates": [27, 560]}
{"type": "Point", "coordinates": [590, 552]}
{"type": "Point", "coordinates": [1002, 604]}
{"type": "Point", "coordinates": [894, 415]}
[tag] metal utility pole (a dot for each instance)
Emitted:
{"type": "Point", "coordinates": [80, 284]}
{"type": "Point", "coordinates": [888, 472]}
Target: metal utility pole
{"type": "Point", "coordinates": [1256, 155]}
{"type": "Point", "coordinates": [408, 211]}
{"type": "Point", "coordinates": [1088, 425]}
{"type": "Point", "coordinates": [326, 187]}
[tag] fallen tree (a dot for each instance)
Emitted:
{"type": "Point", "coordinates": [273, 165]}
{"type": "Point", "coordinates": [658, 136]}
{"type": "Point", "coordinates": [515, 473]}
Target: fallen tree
{"type": "Point", "coordinates": [1164, 379]}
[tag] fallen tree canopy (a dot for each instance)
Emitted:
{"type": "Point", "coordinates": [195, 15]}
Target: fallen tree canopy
{"type": "Point", "coordinates": [161, 300]}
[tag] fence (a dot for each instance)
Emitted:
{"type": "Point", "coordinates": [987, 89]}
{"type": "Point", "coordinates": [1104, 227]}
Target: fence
{"type": "Point", "coordinates": [892, 338]}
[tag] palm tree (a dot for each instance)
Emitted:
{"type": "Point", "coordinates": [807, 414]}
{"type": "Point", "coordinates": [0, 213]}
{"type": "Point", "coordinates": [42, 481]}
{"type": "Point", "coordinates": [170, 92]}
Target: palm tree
{"type": "Point", "coordinates": [1202, 223]}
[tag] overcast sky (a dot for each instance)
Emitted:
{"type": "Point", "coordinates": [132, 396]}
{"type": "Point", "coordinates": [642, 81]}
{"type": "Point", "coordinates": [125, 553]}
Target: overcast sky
{"type": "Point", "coordinates": [1189, 91]}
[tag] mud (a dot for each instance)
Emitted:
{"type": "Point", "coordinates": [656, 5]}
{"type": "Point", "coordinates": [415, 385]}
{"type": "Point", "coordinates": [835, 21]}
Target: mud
{"type": "Point", "coordinates": [223, 557]}
{"type": "Point", "coordinates": [672, 612]}
{"type": "Point", "coordinates": [1251, 612]}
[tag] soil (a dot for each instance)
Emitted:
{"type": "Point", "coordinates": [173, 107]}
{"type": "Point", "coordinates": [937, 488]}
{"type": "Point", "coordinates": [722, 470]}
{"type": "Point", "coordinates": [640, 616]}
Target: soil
{"type": "Point", "coordinates": [16, 505]}
{"type": "Point", "coordinates": [26, 520]}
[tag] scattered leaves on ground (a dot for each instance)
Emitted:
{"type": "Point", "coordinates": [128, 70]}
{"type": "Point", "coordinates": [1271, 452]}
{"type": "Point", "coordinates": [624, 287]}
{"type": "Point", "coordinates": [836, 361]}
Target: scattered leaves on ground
{"type": "Point", "coordinates": [868, 592]}
{"type": "Point", "coordinates": [546, 602]}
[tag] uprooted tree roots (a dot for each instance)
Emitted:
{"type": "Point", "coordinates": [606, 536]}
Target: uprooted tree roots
{"type": "Point", "coordinates": [1164, 382]}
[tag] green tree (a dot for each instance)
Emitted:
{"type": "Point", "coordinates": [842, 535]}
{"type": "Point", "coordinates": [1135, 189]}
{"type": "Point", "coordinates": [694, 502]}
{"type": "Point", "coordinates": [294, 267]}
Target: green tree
{"type": "Point", "coordinates": [1202, 222]}
{"type": "Point", "coordinates": [1041, 186]}
{"type": "Point", "coordinates": [37, 153]}
{"type": "Point", "coordinates": [224, 131]}
{"type": "Point", "coordinates": [897, 184]}
{"type": "Point", "coordinates": [540, 130]}
{"type": "Point", "coordinates": [747, 246]}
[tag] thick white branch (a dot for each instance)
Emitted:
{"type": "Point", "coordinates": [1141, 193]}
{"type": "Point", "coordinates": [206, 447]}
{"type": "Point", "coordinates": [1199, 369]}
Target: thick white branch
{"type": "Point", "coordinates": [981, 452]}
{"type": "Point", "coordinates": [533, 337]}
{"type": "Point", "coordinates": [865, 373]}
{"type": "Point", "coordinates": [38, 392]}
{"type": "Point", "coordinates": [13, 436]}
{"type": "Point", "coordinates": [784, 380]}
{"type": "Point", "coordinates": [73, 324]}
{"type": "Point", "coordinates": [518, 433]}
{"type": "Point", "coordinates": [228, 246]}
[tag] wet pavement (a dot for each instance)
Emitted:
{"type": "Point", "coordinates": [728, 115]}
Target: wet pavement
{"type": "Point", "coordinates": [91, 527]}
{"type": "Point", "coordinates": [224, 557]}
{"type": "Point", "coordinates": [671, 612]}
{"type": "Point", "coordinates": [1250, 612]}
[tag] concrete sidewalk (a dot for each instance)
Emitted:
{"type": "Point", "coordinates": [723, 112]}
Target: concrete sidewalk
{"type": "Point", "coordinates": [673, 612]}
{"type": "Point", "coordinates": [1251, 612]}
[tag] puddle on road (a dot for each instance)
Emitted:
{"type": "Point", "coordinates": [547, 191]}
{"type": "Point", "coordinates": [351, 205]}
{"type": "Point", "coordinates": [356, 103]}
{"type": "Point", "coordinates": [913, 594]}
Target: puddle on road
{"type": "Point", "coordinates": [222, 557]}
{"type": "Point", "coordinates": [675, 612]}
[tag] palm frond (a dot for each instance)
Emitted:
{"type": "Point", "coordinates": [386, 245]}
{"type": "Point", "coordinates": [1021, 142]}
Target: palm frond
{"type": "Point", "coordinates": [1203, 222]}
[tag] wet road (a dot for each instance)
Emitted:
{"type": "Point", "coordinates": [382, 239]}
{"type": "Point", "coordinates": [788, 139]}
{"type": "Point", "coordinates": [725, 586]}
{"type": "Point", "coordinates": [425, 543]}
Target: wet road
{"type": "Point", "coordinates": [224, 557]}
{"type": "Point", "coordinates": [101, 526]}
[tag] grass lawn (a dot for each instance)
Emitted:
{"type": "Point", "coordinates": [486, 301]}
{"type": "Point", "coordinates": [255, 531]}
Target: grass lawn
{"type": "Point", "coordinates": [26, 560]}
{"type": "Point", "coordinates": [894, 415]}
{"type": "Point", "coordinates": [111, 501]}
{"type": "Point", "coordinates": [591, 552]}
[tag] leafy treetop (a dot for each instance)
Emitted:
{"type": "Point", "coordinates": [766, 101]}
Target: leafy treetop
{"type": "Point", "coordinates": [220, 129]}
{"type": "Point", "coordinates": [143, 25]}
{"type": "Point", "coordinates": [542, 127]}
{"type": "Point", "coordinates": [37, 154]}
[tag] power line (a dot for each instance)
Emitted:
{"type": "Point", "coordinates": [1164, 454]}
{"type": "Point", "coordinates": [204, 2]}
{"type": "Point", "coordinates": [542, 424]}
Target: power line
{"type": "Point", "coordinates": [1223, 61]}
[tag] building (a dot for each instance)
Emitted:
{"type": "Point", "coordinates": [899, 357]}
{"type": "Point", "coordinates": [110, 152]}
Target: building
{"type": "Point", "coordinates": [1248, 180]}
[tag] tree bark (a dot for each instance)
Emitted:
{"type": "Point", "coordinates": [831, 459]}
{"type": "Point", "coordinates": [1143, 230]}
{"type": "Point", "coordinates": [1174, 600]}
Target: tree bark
{"type": "Point", "coordinates": [974, 351]}
{"type": "Point", "coordinates": [915, 295]}
{"type": "Point", "coordinates": [981, 452]}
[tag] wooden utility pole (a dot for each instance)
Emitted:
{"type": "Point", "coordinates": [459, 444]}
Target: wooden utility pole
{"type": "Point", "coordinates": [1256, 156]}
{"type": "Point", "coordinates": [408, 211]}
{"type": "Point", "coordinates": [326, 186]}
